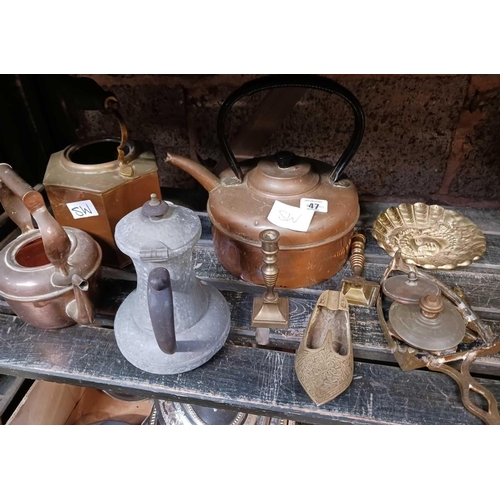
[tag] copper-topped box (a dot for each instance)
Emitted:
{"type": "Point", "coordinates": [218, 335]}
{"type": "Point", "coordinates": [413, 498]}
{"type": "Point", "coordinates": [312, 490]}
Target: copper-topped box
{"type": "Point", "coordinates": [90, 189]}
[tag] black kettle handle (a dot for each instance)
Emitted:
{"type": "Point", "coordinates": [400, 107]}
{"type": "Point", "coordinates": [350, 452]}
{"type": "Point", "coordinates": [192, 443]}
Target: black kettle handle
{"type": "Point", "coordinates": [161, 309]}
{"type": "Point", "coordinates": [279, 81]}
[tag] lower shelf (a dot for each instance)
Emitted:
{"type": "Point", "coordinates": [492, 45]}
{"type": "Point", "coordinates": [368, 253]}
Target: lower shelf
{"type": "Point", "coordinates": [247, 379]}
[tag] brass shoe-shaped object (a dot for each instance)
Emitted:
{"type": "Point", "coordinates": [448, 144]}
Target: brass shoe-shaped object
{"type": "Point", "coordinates": [324, 361]}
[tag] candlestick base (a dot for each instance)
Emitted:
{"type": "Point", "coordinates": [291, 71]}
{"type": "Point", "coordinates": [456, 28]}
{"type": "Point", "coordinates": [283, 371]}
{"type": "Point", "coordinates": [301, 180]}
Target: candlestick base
{"type": "Point", "coordinates": [270, 314]}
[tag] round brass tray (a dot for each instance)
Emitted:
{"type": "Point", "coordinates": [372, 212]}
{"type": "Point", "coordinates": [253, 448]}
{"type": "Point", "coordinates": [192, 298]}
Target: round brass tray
{"type": "Point", "coordinates": [429, 236]}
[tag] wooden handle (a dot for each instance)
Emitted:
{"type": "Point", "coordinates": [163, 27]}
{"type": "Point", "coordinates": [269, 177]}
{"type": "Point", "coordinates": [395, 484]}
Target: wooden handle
{"type": "Point", "coordinates": [161, 309]}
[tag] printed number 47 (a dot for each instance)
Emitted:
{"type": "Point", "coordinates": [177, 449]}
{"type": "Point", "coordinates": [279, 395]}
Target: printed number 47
{"type": "Point", "coordinates": [313, 206]}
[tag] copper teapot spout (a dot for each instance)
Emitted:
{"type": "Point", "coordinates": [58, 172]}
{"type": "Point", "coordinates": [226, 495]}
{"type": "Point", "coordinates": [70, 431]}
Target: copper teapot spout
{"type": "Point", "coordinates": [208, 180]}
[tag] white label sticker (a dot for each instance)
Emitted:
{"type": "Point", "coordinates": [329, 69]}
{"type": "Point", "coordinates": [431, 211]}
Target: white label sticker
{"type": "Point", "coordinates": [289, 217]}
{"type": "Point", "coordinates": [82, 209]}
{"type": "Point", "coordinates": [315, 205]}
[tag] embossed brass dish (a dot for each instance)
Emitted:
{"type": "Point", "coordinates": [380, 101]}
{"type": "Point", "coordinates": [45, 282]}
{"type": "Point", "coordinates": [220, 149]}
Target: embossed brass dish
{"type": "Point", "coordinates": [429, 236]}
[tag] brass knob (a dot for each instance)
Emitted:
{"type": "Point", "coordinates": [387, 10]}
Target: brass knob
{"type": "Point", "coordinates": [431, 306]}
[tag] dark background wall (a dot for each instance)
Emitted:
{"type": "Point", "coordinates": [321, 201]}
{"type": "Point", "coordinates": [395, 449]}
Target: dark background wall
{"type": "Point", "coordinates": [433, 138]}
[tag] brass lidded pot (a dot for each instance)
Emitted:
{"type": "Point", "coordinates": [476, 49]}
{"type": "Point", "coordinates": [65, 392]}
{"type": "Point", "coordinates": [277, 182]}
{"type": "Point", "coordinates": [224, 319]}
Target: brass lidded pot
{"type": "Point", "coordinates": [102, 180]}
{"type": "Point", "coordinates": [48, 275]}
{"type": "Point", "coordinates": [241, 200]}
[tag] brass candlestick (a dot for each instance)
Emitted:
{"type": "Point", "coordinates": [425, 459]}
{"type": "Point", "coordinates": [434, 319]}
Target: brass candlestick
{"type": "Point", "coordinates": [270, 310]}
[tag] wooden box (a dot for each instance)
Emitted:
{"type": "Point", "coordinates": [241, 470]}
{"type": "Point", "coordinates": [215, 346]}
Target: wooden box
{"type": "Point", "coordinates": [49, 403]}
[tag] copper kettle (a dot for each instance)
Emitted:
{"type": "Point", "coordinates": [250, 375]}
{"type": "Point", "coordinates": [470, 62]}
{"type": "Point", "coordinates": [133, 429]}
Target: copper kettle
{"type": "Point", "coordinates": [47, 275]}
{"type": "Point", "coordinates": [241, 200]}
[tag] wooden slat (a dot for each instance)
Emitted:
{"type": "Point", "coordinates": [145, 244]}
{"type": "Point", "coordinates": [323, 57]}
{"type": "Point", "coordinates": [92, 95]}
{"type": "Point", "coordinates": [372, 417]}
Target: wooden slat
{"type": "Point", "coordinates": [482, 286]}
{"type": "Point", "coordinates": [253, 380]}
{"type": "Point", "coordinates": [490, 261]}
{"type": "Point", "coordinates": [368, 340]}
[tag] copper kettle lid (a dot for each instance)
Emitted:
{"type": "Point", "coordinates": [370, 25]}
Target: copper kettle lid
{"type": "Point", "coordinates": [283, 174]}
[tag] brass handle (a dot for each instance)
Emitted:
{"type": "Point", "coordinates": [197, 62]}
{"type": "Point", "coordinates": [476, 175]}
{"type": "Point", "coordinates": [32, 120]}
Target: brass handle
{"type": "Point", "coordinates": [111, 106]}
{"type": "Point", "coordinates": [55, 240]}
{"type": "Point", "coordinates": [467, 384]}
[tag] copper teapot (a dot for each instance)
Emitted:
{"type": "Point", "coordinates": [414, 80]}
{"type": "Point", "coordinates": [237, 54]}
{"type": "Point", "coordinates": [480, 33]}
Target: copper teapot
{"type": "Point", "coordinates": [241, 200]}
{"type": "Point", "coordinates": [48, 275]}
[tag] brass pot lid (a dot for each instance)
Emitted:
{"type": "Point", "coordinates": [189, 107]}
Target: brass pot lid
{"type": "Point", "coordinates": [434, 324]}
{"type": "Point", "coordinates": [408, 289]}
{"type": "Point", "coordinates": [429, 236]}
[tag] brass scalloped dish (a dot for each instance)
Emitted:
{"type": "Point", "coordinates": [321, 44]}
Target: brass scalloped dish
{"type": "Point", "coordinates": [429, 236]}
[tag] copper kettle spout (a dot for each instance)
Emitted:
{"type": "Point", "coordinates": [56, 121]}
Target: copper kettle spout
{"type": "Point", "coordinates": [208, 180]}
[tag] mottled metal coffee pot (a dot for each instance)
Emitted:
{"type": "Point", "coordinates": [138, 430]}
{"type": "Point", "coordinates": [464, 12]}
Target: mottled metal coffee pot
{"type": "Point", "coordinates": [47, 275]}
{"type": "Point", "coordinates": [172, 322]}
{"type": "Point", "coordinates": [240, 201]}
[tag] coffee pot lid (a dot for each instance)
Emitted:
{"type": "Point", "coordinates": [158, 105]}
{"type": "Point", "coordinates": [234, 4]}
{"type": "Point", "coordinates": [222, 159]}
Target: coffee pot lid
{"type": "Point", "coordinates": [157, 231]}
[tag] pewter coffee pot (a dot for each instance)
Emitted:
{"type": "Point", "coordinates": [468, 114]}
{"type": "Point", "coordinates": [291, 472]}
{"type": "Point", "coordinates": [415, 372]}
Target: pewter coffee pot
{"type": "Point", "coordinates": [172, 322]}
